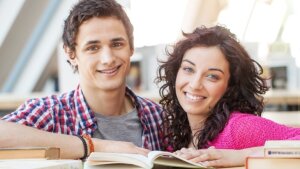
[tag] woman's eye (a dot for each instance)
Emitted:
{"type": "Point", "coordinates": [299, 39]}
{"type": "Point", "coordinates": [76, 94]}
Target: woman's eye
{"type": "Point", "coordinates": [213, 77]}
{"type": "Point", "coordinates": [188, 69]}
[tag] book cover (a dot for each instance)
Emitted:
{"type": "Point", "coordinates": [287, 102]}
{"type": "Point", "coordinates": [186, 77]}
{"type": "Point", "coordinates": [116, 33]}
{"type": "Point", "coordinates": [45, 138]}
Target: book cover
{"type": "Point", "coordinates": [123, 160]}
{"type": "Point", "coordinates": [30, 152]}
{"type": "Point", "coordinates": [282, 148]}
{"type": "Point", "coordinates": [282, 144]}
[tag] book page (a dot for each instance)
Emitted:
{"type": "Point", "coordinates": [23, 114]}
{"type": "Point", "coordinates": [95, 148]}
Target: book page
{"type": "Point", "coordinates": [111, 166]}
{"type": "Point", "coordinates": [98, 158]}
{"type": "Point", "coordinates": [170, 159]}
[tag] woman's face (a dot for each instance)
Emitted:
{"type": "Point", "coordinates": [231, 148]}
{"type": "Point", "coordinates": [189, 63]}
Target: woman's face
{"type": "Point", "coordinates": [202, 80]}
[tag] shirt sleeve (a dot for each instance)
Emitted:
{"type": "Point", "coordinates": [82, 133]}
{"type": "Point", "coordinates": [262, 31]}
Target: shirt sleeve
{"type": "Point", "coordinates": [251, 131]}
{"type": "Point", "coordinates": [35, 113]}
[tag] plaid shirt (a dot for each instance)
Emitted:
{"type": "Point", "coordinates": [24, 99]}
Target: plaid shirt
{"type": "Point", "coordinates": [70, 114]}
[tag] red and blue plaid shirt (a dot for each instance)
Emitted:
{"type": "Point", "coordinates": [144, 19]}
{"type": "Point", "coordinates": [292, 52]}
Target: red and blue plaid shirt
{"type": "Point", "coordinates": [70, 114]}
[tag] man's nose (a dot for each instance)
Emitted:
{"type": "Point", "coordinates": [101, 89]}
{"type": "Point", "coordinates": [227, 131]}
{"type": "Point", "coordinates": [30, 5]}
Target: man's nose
{"type": "Point", "coordinates": [107, 57]}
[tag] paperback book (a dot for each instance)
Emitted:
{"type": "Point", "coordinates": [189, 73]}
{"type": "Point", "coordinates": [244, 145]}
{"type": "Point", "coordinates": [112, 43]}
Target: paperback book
{"type": "Point", "coordinates": [123, 160]}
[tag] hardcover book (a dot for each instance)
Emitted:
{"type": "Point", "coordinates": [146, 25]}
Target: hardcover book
{"type": "Point", "coordinates": [282, 148]}
{"type": "Point", "coordinates": [40, 164]}
{"type": "Point", "coordinates": [30, 152]}
{"type": "Point", "coordinates": [259, 161]}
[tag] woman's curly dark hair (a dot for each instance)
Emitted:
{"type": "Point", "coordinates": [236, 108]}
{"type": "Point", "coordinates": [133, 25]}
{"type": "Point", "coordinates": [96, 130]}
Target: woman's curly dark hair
{"type": "Point", "coordinates": [243, 94]}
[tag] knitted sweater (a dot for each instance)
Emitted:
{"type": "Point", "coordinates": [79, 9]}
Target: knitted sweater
{"type": "Point", "coordinates": [246, 130]}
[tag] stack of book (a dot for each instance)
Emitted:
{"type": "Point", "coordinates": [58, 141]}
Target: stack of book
{"type": "Point", "coordinates": [277, 154]}
{"type": "Point", "coordinates": [35, 158]}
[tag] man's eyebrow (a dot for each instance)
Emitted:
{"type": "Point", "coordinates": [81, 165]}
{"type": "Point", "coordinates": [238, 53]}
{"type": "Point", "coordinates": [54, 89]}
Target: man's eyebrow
{"type": "Point", "coordinates": [92, 42]}
{"type": "Point", "coordinates": [118, 39]}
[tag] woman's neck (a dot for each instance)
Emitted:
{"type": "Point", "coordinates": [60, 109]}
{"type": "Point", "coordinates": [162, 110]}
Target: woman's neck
{"type": "Point", "coordinates": [196, 123]}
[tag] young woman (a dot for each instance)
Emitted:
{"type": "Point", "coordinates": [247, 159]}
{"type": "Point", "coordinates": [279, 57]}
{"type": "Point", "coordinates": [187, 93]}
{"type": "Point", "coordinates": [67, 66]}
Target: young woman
{"type": "Point", "coordinates": [212, 96]}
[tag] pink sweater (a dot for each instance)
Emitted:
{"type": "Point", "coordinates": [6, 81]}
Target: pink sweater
{"type": "Point", "coordinates": [245, 130]}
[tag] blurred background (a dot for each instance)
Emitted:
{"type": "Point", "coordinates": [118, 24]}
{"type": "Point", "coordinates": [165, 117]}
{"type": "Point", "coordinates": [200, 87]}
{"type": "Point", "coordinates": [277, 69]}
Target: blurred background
{"type": "Point", "coordinates": [33, 63]}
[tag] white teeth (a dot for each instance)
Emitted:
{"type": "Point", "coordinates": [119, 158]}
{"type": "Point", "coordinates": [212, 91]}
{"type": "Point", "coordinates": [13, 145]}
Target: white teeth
{"type": "Point", "coordinates": [193, 97]}
{"type": "Point", "coordinates": [109, 71]}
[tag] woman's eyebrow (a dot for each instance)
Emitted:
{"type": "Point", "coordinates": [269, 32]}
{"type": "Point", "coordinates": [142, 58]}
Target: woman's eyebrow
{"type": "Point", "coordinates": [216, 69]}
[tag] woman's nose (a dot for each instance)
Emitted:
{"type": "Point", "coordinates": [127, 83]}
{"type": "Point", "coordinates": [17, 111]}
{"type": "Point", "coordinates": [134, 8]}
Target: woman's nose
{"type": "Point", "coordinates": [196, 83]}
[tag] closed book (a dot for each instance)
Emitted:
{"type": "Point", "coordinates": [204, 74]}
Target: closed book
{"type": "Point", "coordinates": [30, 152]}
{"type": "Point", "coordinates": [282, 152]}
{"type": "Point", "coordinates": [159, 159]}
{"type": "Point", "coordinates": [40, 164]}
{"type": "Point", "coordinates": [259, 161]}
{"type": "Point", "coordinates": [282, 148]}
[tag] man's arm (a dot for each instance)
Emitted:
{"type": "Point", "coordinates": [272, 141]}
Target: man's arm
{"type": "Point", "coordinates": [17, 135]}
{"type": "Point", "coordinates": [71, 147]}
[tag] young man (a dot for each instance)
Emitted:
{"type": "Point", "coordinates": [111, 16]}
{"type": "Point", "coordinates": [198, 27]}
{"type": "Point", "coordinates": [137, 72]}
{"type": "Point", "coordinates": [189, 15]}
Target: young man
{"type": "Point", "coordinates": [98, 39]}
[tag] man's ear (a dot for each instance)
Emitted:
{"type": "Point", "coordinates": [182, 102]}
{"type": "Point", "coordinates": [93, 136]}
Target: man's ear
{"type": "Point", "coordinates": [70, 56]}
{"type": "Point", "coordinates": [131, 52]}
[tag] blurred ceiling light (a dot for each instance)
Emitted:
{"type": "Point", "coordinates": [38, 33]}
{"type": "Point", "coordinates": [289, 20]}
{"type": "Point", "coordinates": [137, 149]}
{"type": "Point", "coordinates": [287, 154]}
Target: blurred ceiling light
{"type": "Point", "coordinates": [291, 35]}
{"type": "Point", "coordinates": [156, 22]}
{"type": "Point", "coordinates": [266, 21]}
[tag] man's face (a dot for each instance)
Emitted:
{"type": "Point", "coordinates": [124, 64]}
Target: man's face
{"type": "Point", "coordinates": [102, 53]}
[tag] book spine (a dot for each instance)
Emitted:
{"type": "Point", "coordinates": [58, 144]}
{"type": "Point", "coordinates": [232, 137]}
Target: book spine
{"type": "Point", "coordinates": [282, 153]}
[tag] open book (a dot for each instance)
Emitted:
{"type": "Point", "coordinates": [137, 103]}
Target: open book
{"type": "Point", "coordinates": [123, 160]}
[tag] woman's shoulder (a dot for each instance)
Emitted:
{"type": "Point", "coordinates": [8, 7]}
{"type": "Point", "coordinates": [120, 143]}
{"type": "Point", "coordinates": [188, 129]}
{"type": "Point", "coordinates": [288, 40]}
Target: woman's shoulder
{"type": "Point", "coordinates": [236, 115]}
{"type": "Point", "coordinates": [240, 120]}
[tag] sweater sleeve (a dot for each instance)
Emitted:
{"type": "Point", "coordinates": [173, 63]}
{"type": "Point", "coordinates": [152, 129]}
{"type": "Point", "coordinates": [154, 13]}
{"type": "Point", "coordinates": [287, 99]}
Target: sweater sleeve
{"type": "Point", "coordinates": [245, 130]}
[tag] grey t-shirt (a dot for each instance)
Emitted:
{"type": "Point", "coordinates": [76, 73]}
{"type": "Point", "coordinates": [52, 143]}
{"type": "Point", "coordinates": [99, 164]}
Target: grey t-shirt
{"type": "Point", "coordinates": [126, 127]}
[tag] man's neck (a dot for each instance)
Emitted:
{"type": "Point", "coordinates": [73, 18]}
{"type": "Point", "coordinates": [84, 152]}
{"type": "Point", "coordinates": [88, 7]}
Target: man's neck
{"type": "Point", "coordinates": [107, 103]}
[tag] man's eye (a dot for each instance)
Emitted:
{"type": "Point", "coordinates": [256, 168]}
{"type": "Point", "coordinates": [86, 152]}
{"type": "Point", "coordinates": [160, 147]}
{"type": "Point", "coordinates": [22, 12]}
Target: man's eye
{"type": "Point", "coordinates": [117, 44]}
{"type": "Point", "coordinates": [92, 48]}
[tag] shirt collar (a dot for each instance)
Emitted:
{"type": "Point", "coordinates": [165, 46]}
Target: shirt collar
{"type": "Point", "coordinates": [87, 116]}
{"type": "Point", "coordinates": [84, 112]}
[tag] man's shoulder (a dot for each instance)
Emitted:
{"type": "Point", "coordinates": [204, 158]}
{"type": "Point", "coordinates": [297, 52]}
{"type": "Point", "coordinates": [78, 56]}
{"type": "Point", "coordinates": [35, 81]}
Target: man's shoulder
{"type": "Point", "coordinates": [141, 101]}
{"type": "Point", "coordinates": [147, 101]}
{"type": "Point", "coordinates": [64, 100]}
